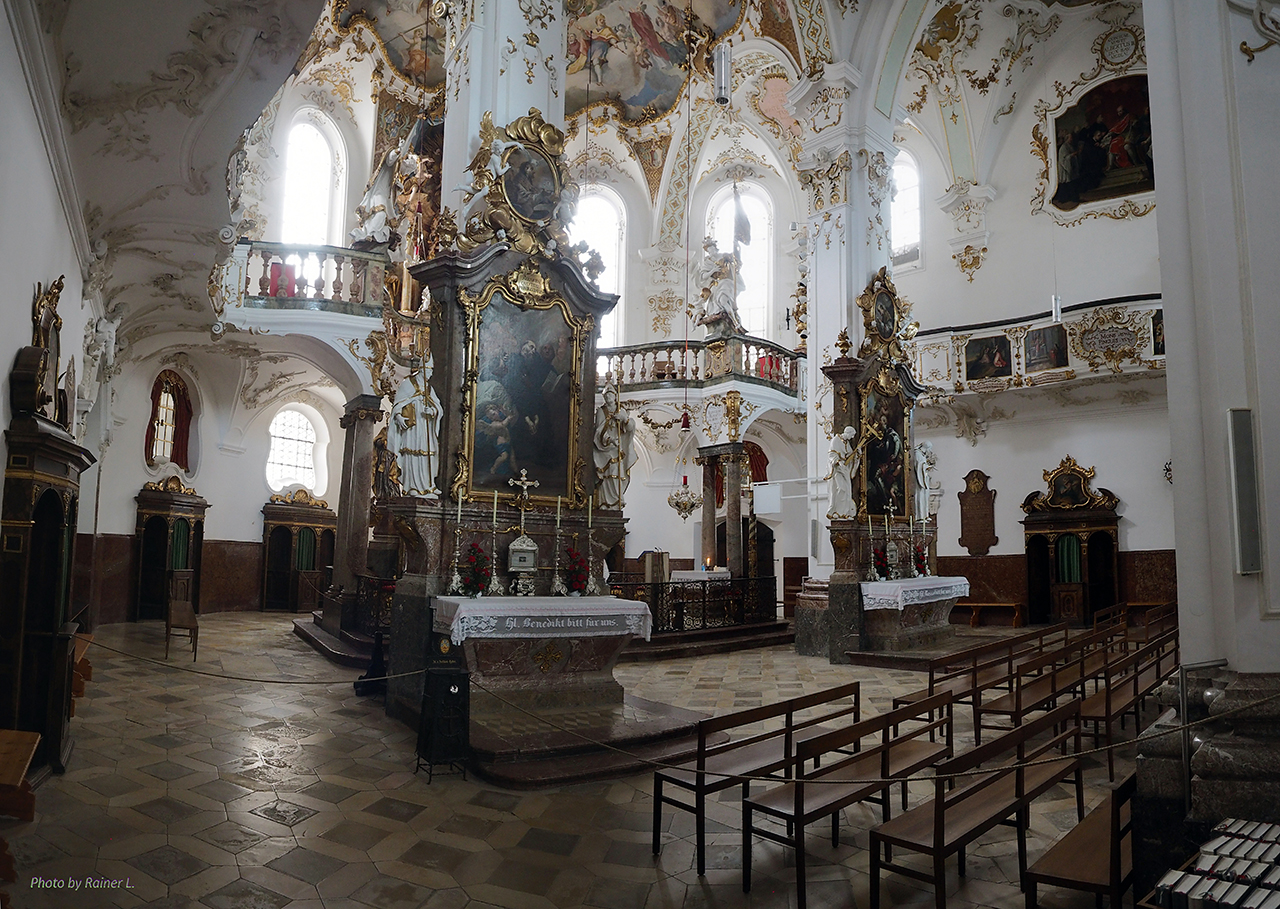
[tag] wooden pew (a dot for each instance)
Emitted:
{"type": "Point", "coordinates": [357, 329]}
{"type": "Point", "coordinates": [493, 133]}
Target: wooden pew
{"type": "Point", "coordinates": [1096, 855]}
{"type": "Point", "coordinates": [1126, 682]}
{"type": "Point", "coordinates": [893, 754]}
{"type": "Point", "coordinates": [1014, 612]}
{"type": "Point", "coordinates": [1154, 622]}
{"type": "Point", "coordinates": [956, 816]}
{"type": "Point", "coordinates": [1117, 615]}
{"type": "Point", "coordinates": [718, 763]}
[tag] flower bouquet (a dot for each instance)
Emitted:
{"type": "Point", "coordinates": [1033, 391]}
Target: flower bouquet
{"type": "Point", "coordinates": [922, 561]}
{"type": "Point", "coordinates": [882, 562]}
{"type": "Point", "coordinates": [475, 571]}
{"type": "Point", "coordinates": [576, 570]}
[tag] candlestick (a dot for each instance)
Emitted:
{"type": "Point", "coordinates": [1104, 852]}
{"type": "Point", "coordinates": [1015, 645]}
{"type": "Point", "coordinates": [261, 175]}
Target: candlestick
{"type": "Point", "coordinates": [588, 514]}
{"type": "Point", "coordinates": [495, 508]}
{"type": "Point", "coordinates": [557, 512]}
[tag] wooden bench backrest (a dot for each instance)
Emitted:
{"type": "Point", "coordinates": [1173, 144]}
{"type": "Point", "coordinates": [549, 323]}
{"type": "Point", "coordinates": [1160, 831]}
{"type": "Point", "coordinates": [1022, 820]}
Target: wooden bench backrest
{"type": "Point", "coordinates": [1121, 822]}
{"type": "Point", "coordinates": [985, 656]}
{"type": "Point", "coordinates": [1112, 615]}
{"type": "Point", "coordinates": [785, 709]}
{"type": "Point", "coordinates": [885, 726]}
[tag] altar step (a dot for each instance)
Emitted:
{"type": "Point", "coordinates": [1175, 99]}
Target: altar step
{"type": "Point", "coordinates": [573, 746]}
{"type": "Point", "coordinates": [349, 648]}
{"type": "Point", "coordinates": [673, 645]}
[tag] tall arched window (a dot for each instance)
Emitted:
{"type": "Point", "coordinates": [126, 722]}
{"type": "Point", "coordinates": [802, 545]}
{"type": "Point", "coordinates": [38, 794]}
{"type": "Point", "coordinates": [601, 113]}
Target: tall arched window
{"type": "Point", "coordinates": [169, 431]}
{"type": "Point", "coordinates": [309, 179]}
{"type": "Point", "coordinates": [601, 222]}
{"type": "Point", "coordinates": [747, 216]}
{"type": "Point", "coordinates": [904, 212]}
{"type": "Point", "coordinates": [292, 456]}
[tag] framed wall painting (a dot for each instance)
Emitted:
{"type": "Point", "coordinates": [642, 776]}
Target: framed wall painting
{"type": "Point", "coordinates": [1157, 333]}
{"type": "Point", "coordinates": [1046, 348]}
{"type": "Point", "coordinates": [884, 426]}
{"type": "Point", "coordinates": [988, 358]}
{"type": "Point", "coordinates": [530, 183]}
{"type": "Point", "coordinates": [1103, 144]}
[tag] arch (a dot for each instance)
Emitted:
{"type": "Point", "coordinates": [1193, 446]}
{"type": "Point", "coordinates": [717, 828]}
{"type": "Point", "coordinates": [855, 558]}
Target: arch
{"type": "Point", "coordinates": [755, 298]}
{"type": "Point", "coordinates": [906, 213]}
{"type": "Point", "coordinates": [601, 222]}
{"type": "Point", "coordinates": [288, 457]}
{"type": "Point", "coordinates": [169, 428]}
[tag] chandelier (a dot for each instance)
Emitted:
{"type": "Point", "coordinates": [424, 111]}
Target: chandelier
{"type": "Point", "coordinates": [682, 498]}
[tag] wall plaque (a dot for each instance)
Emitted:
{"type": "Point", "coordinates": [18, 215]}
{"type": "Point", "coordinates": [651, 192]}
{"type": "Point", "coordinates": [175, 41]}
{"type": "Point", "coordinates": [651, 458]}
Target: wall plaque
{"type": "Point", "coordinates": [977, 514]}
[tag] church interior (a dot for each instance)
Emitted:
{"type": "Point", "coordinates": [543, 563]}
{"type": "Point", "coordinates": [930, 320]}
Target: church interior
{"type": "Point", "coordinates": [674, 376]}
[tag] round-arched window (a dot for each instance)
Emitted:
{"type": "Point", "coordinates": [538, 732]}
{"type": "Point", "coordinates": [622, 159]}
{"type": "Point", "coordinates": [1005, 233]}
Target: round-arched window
{"type": "Point", "coordinates": [292, 456]}
{"type": "Point", "coordinates": [740, 218]}
{"type": "Point", "coordinates": [601, 222]}
{"type": "Point", "coordinates": [904, 211]}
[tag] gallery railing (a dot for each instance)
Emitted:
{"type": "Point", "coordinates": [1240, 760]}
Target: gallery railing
{"type": "Point", "coordinates": [373, 605]}
{"type": "Point", "coordinates": [697, 605]}
{"type": "Point", "coordinates": [703, 362]}
{"type": "Point", "coordinates": [262, 275]}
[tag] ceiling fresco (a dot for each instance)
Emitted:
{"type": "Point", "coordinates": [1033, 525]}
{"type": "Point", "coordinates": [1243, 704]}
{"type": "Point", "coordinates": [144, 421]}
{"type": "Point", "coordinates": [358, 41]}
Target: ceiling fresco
{"type": "Point", "coordinates": [629, 54]}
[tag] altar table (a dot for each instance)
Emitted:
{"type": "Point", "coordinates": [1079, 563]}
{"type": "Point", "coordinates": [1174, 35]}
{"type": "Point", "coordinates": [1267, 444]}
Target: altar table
{"type": "Point", "coordinates": [911, 612]}
{"type": "Point", "coordinates": [541, 653]}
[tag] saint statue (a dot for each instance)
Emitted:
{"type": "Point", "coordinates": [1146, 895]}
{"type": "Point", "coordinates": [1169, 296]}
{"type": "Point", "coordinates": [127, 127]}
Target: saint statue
{"type": "Point", "coordinates": [718, 303]}
{"type": "Point", "coordinates": [846, 457]}
{"type": "Point", "coordinates": [615, 453]}
{"type": "Point", "coordinates": [924, 462]}
{"type": "Point", "coordinates": [414, 435]}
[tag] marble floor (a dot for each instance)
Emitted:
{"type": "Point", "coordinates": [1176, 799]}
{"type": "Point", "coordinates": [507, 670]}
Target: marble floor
{"type": "Point", "coordinates": [278, 787]}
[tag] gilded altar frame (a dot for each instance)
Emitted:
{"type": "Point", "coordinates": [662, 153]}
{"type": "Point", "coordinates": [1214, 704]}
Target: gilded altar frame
{"type": "Point", "coordinates": [526, 291]}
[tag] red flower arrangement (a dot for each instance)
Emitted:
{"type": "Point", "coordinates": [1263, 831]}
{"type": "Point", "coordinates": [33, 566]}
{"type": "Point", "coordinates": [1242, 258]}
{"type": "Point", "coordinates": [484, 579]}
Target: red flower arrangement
{"type": "Point", "coordinates": [882, 562]}
{"type": "Point", "coordinates": [576, 569]}
{"type": "Point", "coordinates": [922, 559]}
{"type": "Point", "coordinates": [475, 571]}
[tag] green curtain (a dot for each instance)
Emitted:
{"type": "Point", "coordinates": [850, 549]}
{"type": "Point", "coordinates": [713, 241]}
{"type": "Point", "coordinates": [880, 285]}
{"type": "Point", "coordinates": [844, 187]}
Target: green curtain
{"type": "Point", "coordinates": [181, 544]}
{"type": "Point", "coordinates": [1068, 559]}
{"type": "Point", "coordinates": [306, 549]}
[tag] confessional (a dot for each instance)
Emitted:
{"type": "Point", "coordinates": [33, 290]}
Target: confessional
{"type": "Point", "coordinates": [298, 532]}
{"type": "Point", "coordinates": [1072, 547]}
{"type": "Point", "coordinates": [41, 500]}
{"type": "Point", "coordinates": [170, 541]}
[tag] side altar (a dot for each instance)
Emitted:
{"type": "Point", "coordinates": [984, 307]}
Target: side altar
{"type": "Point", "coordinates": [883, 507]}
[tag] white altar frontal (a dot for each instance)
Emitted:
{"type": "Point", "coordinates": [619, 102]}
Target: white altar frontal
{"type": "Point", "coordinates": [911, 612]}
{"type": "Point", "coordinates": [541, 653]}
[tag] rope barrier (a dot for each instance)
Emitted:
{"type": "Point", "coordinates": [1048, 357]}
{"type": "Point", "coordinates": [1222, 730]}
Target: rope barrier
{"type": "Point", "coordinates": [739, 777]}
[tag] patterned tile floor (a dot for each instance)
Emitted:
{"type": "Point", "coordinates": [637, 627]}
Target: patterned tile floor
{"type": "Point", "coordinates": [206, 793]}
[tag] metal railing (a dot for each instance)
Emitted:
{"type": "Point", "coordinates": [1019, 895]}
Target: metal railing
{"type": "Point", "coordinates": [373, 605]}
{"type": "Point", "coordinates": [697, 605]}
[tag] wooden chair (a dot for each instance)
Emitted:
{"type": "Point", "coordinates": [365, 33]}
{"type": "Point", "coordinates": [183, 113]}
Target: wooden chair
{"type": "Point", "coordinates": [181, 616]}
{"type": "Point", "coordinates": [1095, 856]}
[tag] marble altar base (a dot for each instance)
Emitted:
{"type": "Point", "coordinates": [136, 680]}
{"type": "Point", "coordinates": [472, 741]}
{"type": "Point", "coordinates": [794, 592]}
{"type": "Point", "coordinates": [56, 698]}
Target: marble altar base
{"type": "Point", "coordinates": [812, 636]}
{"type": "Point", "coordinates": [913, 612]}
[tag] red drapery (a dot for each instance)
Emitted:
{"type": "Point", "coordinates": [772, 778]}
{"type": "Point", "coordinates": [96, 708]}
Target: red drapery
{"type": "Point", "coordinates": [182, 413]}
{"type": "Point", "coordinates": [756, 458]}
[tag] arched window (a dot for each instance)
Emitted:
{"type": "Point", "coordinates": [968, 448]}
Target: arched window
{"type": "Point", "coordinates": [601, 222]}
{"type": "Point", "coordinates": [904, 212]}
{"type": "Point", "coordinates": [309, 178]}
{"type": "Point", "coordinates": [293, 446]}
{"type": "Point", "coordinates": [747, 216]}
{"type": "Point", "coordinates": [169, 431]}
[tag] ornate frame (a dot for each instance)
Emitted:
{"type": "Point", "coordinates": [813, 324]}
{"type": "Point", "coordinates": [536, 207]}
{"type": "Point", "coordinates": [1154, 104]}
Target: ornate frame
{"type": "Point", "coordinates": [1070, 473]}
{"type": "Point", "coordinates": [1104, 69]}
{"type": "Point", "coordinates": [887, 384]}
{"type": "Point", "coordinates": [879, 291]}
{"type": "Point", "coordinates": [526, 289]}
{"type": "Point", "coordinates": [1109, 325]}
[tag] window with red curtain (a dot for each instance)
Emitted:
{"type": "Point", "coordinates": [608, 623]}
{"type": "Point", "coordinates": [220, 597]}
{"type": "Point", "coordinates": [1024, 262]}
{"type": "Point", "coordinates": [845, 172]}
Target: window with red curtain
{"type": "Point", "coordinates": [169, 429]}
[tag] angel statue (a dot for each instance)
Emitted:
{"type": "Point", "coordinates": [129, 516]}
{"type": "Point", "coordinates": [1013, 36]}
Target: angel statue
{"type": "Point", "coordinates": [718, 306]}
{"type": "Point", "coordinates": [615, 451]}
{"type": "Point", "coordinates": [925, 463]}
{"type": "Point", "coordinates": [414, 434]}
{"type": "Point", "coordinates": [845, 456]}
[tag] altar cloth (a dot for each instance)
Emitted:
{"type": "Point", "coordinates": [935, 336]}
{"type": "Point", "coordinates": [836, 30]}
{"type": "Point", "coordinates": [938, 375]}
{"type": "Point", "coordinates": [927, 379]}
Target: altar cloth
{"type": "Point", "coordinates": [540, 617]}
{"type": "Point", "coordinates": [910, 591]}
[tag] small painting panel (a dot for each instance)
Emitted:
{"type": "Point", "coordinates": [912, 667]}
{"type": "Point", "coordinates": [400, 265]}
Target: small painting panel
{"type": "Point", "coordinates": [988, 358]}
{"type": "Point", "coordinates": [1157, 332]}
{"type": "Point", "coordinates": [886, 452]}
{"type": "Point", "coordinates": [530, 184]}
{"type": "Point", "coordinates": [886, 315]}
{"type": "Point", "coordinates": [1046, 348]}
{"type": "Point", "coordinates": [523, 397]}
{"type": "Point", "coordinates": [1103, 144]}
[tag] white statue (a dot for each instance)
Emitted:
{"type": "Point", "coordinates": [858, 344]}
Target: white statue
{"type": "Point", "coordinates": [99, 357]}
{"type": "Point", "coordinates": [924, 462]}
{"type": "Point", "coordinates": [414, 435]}
{"type": "Point", "coordinates": [615, 452]}
{"type": "Point", "coordinates": [717, 306]}
{"type": "Point", "coordinates": [846, 457]}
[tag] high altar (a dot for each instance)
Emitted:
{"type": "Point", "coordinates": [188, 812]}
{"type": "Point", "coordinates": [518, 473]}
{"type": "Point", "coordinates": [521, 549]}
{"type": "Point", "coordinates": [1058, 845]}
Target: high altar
{"type": "Point", "coordinates": [495, 440]}
{"type": "Point", "coordinates": [883, 517]}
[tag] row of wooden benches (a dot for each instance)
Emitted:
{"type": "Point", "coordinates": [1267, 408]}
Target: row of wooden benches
{"type": "Point", "coordinates": [823, 768]}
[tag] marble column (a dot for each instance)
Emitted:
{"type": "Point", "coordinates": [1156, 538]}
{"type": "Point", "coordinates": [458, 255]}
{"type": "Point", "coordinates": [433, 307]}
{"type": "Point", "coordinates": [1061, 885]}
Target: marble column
{"type": "Point", "coordinates": [351, 549]}
{"type": "Point", "coordinates": [708, 507]}
{"type": "Point", "coordinates": [733, 515]}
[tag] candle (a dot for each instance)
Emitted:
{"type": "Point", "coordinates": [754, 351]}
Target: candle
{"type": "Point", "coordinates": [588, 514]}
{"type": "Point", "coordinates": [459, 510]}
{"type": "Point", "coordinates": [870, 533]}
{"type": "Point", "coordinates": [495, 508]}
{"type": "Point", "coordinates": [557, 512]}
{"type": "Point", "coordinates": [886, 527]}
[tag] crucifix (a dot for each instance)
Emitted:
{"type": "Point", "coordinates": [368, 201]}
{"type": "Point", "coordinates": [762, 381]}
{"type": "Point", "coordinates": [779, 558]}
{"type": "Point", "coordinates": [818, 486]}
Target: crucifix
{"type": "Point", "coordinates": [522, 497]}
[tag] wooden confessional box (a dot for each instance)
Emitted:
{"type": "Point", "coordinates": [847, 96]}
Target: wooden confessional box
{"type": "Point", "coordinates": [298, 532]}
{"type": "Point", "coordinates": [170, 541]}
{"type": "Point", "coordinates": [1072, 547]}
{"type": "Point", "coordinates": [41, 500]}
